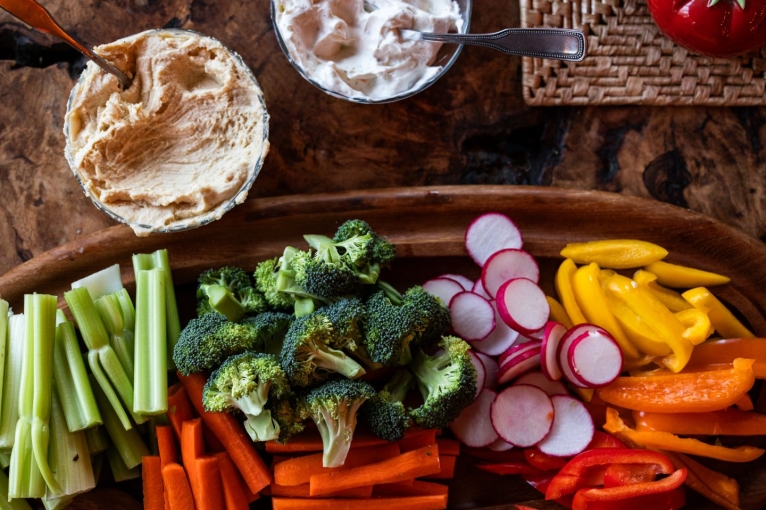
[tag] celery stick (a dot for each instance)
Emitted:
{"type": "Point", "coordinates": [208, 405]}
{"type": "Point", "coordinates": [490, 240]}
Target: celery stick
{"type": "Point", "coordinates": [106, 281]}
{"type": "Point", "coordinates": [151, 376]}
{"type": "Point", "coordinates": [97, 440]}
{"type": "Point", "coordinates": [128, 442]}
{"type": "Point", "coordinates": [121, 472]}
{"type": "Point", "coordinates": [5, 504]}
{"type": "Point", "coordinates": [98, 462]}
{"type": "Point", "coordinates": [12, 386]}
{"type": "Point", "coordinates": [110, 310]}
{"type": "Point", "coordinates": [4, 340]}
{"type": "Point", "coordinates": [5, 460]}
{"type": "Point", "coordinates": [72, 381]}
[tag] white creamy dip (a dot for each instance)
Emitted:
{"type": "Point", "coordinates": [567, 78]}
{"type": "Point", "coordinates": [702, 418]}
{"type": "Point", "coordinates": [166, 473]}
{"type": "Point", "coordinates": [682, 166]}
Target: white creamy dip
{"type": "Point", "coordinates": [353, 47]}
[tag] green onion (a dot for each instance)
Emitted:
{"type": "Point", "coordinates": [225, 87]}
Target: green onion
{"type": "Point", "coordinates": [151, 376]}
{"type": "Point", "coordinates": [14, 360]}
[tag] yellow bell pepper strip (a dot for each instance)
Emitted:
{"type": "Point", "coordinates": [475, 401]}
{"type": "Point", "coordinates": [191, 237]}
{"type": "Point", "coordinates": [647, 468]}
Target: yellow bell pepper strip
{"type": "Point", "coordinates": [695, 392]}
{"type": "Point", "coordinates": [658, 440]}
{"type": "Point", "coordinates": [656, 315]}
{"type": "Point", "coordinates": [558, 313]}
{"type": "Point", "coordinates": [636, 328]}
{"type": "Point", "coordinates": [563, 282]}
{"type": "Point", "coordinates": [726, 351]}
{"type": "Point", "coordinates": [591, 300]}
{"type": "Point", "coordinates": [718, 488]}
{"type": "Point", "coordinates": [698, 326]}
{"type": "Point", "coordinates": [721, 318]}
{"type": "Point", "coordinates": [727, 422]}
{"type": "Point", "coordinates": [604, 275]}
{"type": "Point", "coordinates": [670, 298]}
{"type": "Point", "coordinates": [615, 253]}
{"type": "Point", "coordinates": [666, 494]}
{"type": "Point", "coordinates": [682, 277]}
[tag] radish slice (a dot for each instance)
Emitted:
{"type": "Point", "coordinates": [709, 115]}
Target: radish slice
{"type": "Point", "coordinates": [490, 233]}
{"type": "Point", "coordinates": [481, 372]}
{"type": "Point", "coordinates": [478, 288]}
{"type": "Point", "coordinates": [473, 427]}
{"type": "Point", "coordinates": [490, 367]}
{"type": "Point", "coordinates": [518, 365]}
{"type": "Point", "coordinates": [443, 288]}
{"type": "Point", "coordinates": [500, 446]}
{"type": "Point", "coordinates": [539, 334]}
{"type": "Point", "coordinates": [572, 429]}
{"type": "Point", "coordinates": [522, 415]}
{"type": "Point", "coordinates": [516, 350]}
{"type": "Point", "coordinates": [541, 381]}
{"type": "Point", "coordinates": [548, 360]}
{"type": "Point", "coordinates": [464, 282]}
{"type": "Point", "coordinates": [562, 351]}
{"type": "Point", "coordinates": [595, 358]}
{"type": "Point", "coordinates": [501, 338]}
{"type": "Point", "coordinates": [507, 265]}
{"type": "Point", "coordinates": [522, 305]}
{"type": "Point", "coordinates": [473, 317]}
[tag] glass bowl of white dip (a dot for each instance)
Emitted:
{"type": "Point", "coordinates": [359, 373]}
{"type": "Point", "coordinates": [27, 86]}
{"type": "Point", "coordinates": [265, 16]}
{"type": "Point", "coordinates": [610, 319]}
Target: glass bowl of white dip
{"type": "Point", "coordinates": [352, 49]}
{"type": "Point", "coordinates": [181, 146]}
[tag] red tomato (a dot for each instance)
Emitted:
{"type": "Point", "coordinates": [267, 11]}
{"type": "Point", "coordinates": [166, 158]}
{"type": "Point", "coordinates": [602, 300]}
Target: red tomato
{"type": "Point", "coordinates": [725, 29]}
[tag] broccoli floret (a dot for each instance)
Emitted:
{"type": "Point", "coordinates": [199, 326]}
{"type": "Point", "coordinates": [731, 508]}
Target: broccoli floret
{"type": "Point", "coordinates": [266, 275]}
{"type": "Point", "coordinates": [246, 382]}
{"type": "Point", "coordinates": [270, 329]}
{"type": "Point", "coordinates": [322, 279]}
{"type": "Point", "coordinates": [307, 356]}
{"type": "Point", "coordinates": [389, 330]}
{"type": "Point", "coordinates": [228, 291]}
{"type": "Point", "coordinates": [347, 317]}
{"type": "Point", "coordinates": [208, 340]}
{"type": "Point", "coordinates": [383, 252]}
{"type": "Point", "coordinates": [333, 406]}
{"type": "Point", "coordinates": [447, 382]}
{"type": "Point", "coordinates": [384, 414]}
{"type": "Point", "coordinates": [289, 415]}
{"type": "Point", "coordinates": [434, 319]}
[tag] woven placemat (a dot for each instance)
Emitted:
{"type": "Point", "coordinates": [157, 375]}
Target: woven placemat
{"type": "Point", "coordinates": [629, 61]}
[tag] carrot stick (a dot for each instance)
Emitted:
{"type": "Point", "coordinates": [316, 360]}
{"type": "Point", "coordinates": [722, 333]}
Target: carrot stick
{"type": "Point", "coordinates": [299, 470]}
{"type": "Point", "coordinates": [303, 491]}
{"type": "Point", "coordinates": [166, 442]}
{"type": "Point", "coordinates": [421, 462]}
{"type": "Point", "coordinates": [417, 438]}
{"type": "Point", "coordinates": [416, 488]}
{"type": "Point", "coordinates": [179, 408]}
{"type": "Point", "coordinates": [192, 447]}
{"type": "Point", "coordinates": [311, 441]}
{"type": "Point", "coordinates": [411, 503]}
{"type": "Point", "coordinates": [447, 463]}
{"type": "Point", "coordinates": [234, 488]}
{"type": "Point", "coordinates": [232, 435]}
{"type": "Point", "coordinates": [448, 446]}
{"type": "Point", "coordinates": [210, 484]}
{"type": "Point", "coordinates": [154, 497]}
{"type": "Point", "coordinates": [177, 486]}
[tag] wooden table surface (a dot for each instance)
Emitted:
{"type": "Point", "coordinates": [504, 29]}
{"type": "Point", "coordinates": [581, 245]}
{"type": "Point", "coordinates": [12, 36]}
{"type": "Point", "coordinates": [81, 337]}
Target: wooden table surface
{"type": "Point", "coordinates": [471, 127]}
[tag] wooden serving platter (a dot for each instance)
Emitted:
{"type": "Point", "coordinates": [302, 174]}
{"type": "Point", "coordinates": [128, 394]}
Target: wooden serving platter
{"type": "Point", "coordinates": [428, 226]}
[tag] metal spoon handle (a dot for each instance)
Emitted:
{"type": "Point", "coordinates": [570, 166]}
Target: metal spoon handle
{"type": "Point", "coordinates": [38, 17]}
{"type": "Point", "coordinates": [552, 43]}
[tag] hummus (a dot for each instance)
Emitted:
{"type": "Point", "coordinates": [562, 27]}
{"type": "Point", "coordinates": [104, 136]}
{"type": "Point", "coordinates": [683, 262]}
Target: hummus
{"type": "Point", "coordinates": [178, 148]}
{"type": "Point", "coordinates": [353, 47]}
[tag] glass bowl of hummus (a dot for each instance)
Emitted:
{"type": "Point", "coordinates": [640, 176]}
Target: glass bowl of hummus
{"type": "Point", "coordinates": [352, 49]}
{"type": "Point", "coordinates": [181, 146]}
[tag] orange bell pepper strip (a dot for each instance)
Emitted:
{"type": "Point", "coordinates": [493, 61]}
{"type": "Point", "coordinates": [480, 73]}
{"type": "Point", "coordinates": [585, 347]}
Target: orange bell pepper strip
{"type": "Point", "coordinates": [563, 283]}
{"type": "Point", "coordinates": [658, 440]}
{"type": "Point", "coordinates": [670, 298]}
{"type": "Point", "coordinates": [722, 352]}
{"type": "Point", "coordinates": [727, 422]}
{"type": "Point", "coordinates": [698, 326]}
{"type": "Point", "coordinates": [657, 494]}
{"type": "Point", "coordinates": [718, 488]}
{"type": "Point", "coordinates": [695, 392]}
{"type": "Point", "coordinates": [591, 300]}
{"type": "Point", "coordinates": [682, 277]}
{"type": "Point", "coordinates": [745, 403]}
{"type": "Point", "coordinates": [558, 313]}
{"type": "Point", "coordinates": [721, 318]}
{"type": "Point", "coordinates": [615, 253]}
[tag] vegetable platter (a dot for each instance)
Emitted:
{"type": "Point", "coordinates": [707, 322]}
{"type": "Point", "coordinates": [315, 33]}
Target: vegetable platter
{"type": "Point", "coordinates": [428, 227]}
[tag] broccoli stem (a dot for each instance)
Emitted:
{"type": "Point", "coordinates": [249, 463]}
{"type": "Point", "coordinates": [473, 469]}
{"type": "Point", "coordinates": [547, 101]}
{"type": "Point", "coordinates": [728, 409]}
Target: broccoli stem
{"type": "Point", "coordinates": [392, 294]}
{"type": "Point", "coordinates": [11, 389]}
{"type": "Point", "coordinates": [110, 309]}
{"type": "Point", "coordinates": [150, 395]}
{"type": "Point", "coordinates": [262, 427]}
{"type": "Point", "coordinates": [223, 301]}
{"type": "Point", "coordinates": [336, 432]}
{"type": "Point", "coordinates": [337, 361]}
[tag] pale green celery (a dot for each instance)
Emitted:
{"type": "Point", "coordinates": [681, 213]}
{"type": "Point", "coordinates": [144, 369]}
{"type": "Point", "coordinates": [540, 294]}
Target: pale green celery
{"type": "Point", "coordinates": [5, 504]}
{"type": "Point", "coordinates": [98, 463]}
{"type": "Point", "coordinates": [29, 458]}
{"type": "Point", "coordinates": [129, 443]}
{"type": "Point", "coordinates": [4, 339]}
{"type": "Point", "coordinates": [5, 459]}
{"type": "Point", "coordinates": [106, 281]}
{"type": "Point", "coordinates": [14, 361]}
{"type": "Point", "coordinates": [72, 381]}
{"type": "Point", "coordinates": [151, 435]}
{"type": "Point", "coordinates": [150, 386]}
{"type": "Point", "coordinates": [159, 259]}
{"type": "Point", "coordinates": [97, 440]}
{"type": "Point", "coordinates": [68, 456]}
{"type": "Point", "coordinates": [58, 503]}
{"type": "Point", "coordinates": [121, 472]}
{"type": "Point", "coordinates": [111, 315]}
{"type": "Point", "coordinates": [103, 361]}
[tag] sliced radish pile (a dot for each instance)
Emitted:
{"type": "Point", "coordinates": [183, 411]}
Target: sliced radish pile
{"type": "Point", "coordinates": [541, 381]}
{"type": "Point", "coordinates": [519, 364]}
{"type": "Point", "coordinates": [443, 288]}
{"type": "Point", "coordinates": [572, 429]}
{"type": "Point", "coordinates": [481, 372]}
{"type": "Point", "coordinates": [501, 338]}
{"type": "Point", "coordinates": [464, 282]}
{"type": "Point", "coordinates": [490, 233]}
{"type": "Point", "coordinates": [539, 334]}
{"type": "Point", "coordinates": [517, 350]}
{"type": "Point", "coordinates": [473, 427]}
{"type": "Point", "coordinates": [522, 415]}
{"type": "Point", "coordinates": [478, 288]}
{"type": "Point", "coordinates": [508, 265]}
{"type": "Point", "coordinates": [500, 446]}
{"type": "Point", "coordinates": [548, 358]}
{"type": "Point", "coordinates": [490, 368]}
{"type": "Point", "coordinates": [473, 317]}
{"type": "Point", "coordinates": [595, 358]}
{"type": "Point", "coordinates": [522, 305]}
{"type": "Point", "coordinates": [562, 352]}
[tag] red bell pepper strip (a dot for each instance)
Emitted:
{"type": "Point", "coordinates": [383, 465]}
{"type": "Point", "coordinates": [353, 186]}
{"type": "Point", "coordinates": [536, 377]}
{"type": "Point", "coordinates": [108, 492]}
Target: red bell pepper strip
{"type": "Point", "coordinates": [725, 351]}
{"type": "Point", "coordinates": [668, 500]}
{"type": "Point", "coordinates": [729, 422]}
{"type": "Point", "coordinates": [604, 440]}
{"type": "Point", "coordinates": [541, 482]}
{"type": "Point", "coordinates": [542, 461]}
{"type": "Point", "coordinates": [511, 468]}
{"type": "Point", "coordinates": [718, 488]}
{"type": "Point", "coordinates": [585, 498]}
{"type": "Point", "coordinates": [617, 475]}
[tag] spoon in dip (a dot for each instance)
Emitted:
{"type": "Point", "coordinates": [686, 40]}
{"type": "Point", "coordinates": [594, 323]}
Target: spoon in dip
{"type": "Point", "coordinates": [38, 17]}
